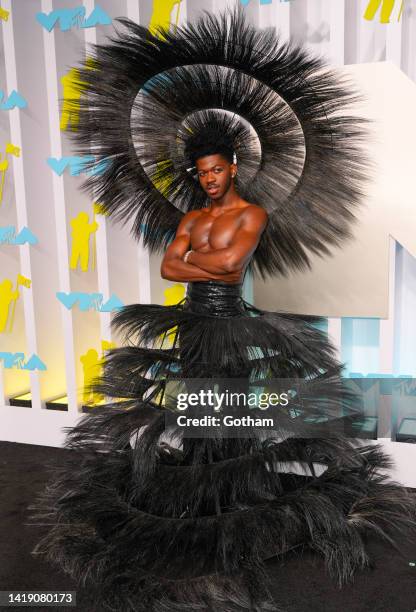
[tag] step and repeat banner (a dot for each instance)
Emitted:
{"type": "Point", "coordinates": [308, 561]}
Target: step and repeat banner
{"type": "Point", "coordinates": [65, 268]}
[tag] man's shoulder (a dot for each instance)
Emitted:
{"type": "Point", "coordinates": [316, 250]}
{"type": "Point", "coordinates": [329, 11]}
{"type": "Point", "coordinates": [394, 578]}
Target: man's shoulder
{"type": "Point", "coordinates": [255, 211]}
{"type": "Point", "coordinates": [193, 214]}
{"type": "Point", "coordinates": [190, 217]}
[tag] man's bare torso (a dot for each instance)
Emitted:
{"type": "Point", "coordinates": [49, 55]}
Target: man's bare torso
{"type": "Point", "coordinates": [214, 229]}
{"type": "Point", "coordinates": [215, 243]}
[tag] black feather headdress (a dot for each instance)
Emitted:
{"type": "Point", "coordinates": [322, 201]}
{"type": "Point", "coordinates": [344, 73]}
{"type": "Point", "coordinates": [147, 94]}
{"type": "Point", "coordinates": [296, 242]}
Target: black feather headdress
{"type": "Point", "coordinates": [297, 143]}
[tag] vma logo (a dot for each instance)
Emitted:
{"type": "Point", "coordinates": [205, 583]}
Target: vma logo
{"type": "Point", "coordinates": [17, 361]}
{"type": "Point", "coordinates": [245, 2]}
{"type": "Point", "coordinates": [8, 235]}
{"type": "Point", "coordinates": [73, 17]}
{"type": "Point", "coordinates": [14, 100]}
{"type": "Point", "coordinates": [89, 301]}
{"type": "Point", "coordinates": [77, 164]}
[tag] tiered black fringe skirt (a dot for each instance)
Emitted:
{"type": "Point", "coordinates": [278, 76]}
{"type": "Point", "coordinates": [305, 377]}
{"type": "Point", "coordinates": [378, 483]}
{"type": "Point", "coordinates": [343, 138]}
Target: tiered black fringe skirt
{"type": "Point", "coordinates": [158, 522]}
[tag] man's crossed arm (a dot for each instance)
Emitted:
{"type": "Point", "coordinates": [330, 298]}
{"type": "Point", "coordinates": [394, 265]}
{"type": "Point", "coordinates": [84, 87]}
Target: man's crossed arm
{"type": "Point", "coordinates": [222, 264]}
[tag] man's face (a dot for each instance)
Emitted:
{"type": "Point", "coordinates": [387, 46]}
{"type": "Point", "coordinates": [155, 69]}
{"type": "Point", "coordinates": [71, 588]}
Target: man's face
{"type": "Point", "coordinates": [214, 173]}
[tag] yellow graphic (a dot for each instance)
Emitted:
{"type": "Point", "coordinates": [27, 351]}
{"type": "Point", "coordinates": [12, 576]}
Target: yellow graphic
{"type": "Point", "coordinates": [173, 295]}
{"type": "Point", "coordinates": [98, 209]}
{"type": "Point", "coordinates": [71, 96]}
{"type": "Point", "coordinates": [4, 14]}
{"type": "Point", "coordinates": [107, 346]}
{"type": "Point", "coordinates": [161, 17]}
{"type": "Point", "coordinates": [72, 88]}
{"type": "Point", "coordinates": [81, 232]}
{"type": "Point", "coordinates": [92, 368]}
{"type": "Point", "coordinates": [8, 297]}
{"type": "Point", "coordinates": [160, 179]}
{"type": "Point", "coordinates": [11, 149]}
{"type": "Point", "coordinates": [386, 10]}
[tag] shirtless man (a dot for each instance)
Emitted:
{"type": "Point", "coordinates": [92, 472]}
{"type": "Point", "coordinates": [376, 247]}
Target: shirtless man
{"type": "Point", "coordinates": [217, 242]}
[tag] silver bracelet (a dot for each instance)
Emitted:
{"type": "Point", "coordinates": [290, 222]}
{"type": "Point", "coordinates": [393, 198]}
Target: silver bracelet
{"type": "Point", "coordinates": [187, 255]}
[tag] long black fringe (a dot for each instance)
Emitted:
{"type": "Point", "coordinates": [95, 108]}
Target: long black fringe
{"type": "Point", "coordinates": [156, 522]}
{"type": "Point", "coordinates": [133, 543]}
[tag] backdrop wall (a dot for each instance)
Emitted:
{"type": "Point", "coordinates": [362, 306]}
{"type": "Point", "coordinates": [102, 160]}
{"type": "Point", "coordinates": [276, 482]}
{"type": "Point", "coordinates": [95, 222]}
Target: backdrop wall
{"type": "Point", "coordinates": [64, 267]}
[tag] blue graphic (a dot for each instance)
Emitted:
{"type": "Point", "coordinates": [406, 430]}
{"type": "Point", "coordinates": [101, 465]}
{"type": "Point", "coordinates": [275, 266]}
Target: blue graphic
{"type": "Point", "coordinates": [34, 363]}
{"type": "Point", "coordinates": [58, 165]}
{"type": "Point", "coordinates": [17, 360]}
{"type": "Point", "coordinates": [73, 17]}
{"type": "Point", "coordinates": [11, 360]}
{"type": "Point", "coordinates": [245, 2]}
{"type": "Point", "coordinates": [25, 235]}
{"type": "Point", "coordinates": [77, 165]}
{"type": "Point", "coordinates": [15, 100]}
{"type": "Point", "coordinates": [66, 17]}
{"type": "Point", "coordinates": [100, 167]}
{"type": "Point", "coordinates": [67, 299]}
{"type": "Point", "coordinates": [97, 17]}
{"type": "Point", "coordinates": [112, 304]}
{"type": "Point", "coordinates": [8, 236]}
{"type": "Point", "coordinates": [89, 301]}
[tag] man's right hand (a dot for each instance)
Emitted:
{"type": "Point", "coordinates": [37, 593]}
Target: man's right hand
{"type": "Point", "coordinates": [231, 277]}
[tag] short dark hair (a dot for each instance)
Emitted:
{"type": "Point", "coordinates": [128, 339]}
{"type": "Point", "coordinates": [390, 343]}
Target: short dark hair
{"type": "Point", "coordinates": [209, 142]}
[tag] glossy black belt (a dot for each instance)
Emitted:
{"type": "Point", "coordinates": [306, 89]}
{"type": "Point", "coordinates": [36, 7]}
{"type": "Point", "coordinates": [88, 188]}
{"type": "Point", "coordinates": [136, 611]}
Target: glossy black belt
{"type": "Point", "coordinates": [215, 298]}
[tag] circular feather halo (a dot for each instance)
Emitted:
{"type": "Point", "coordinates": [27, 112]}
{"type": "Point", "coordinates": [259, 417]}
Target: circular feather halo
{"type": "Point", "coordinates": [293, 121]}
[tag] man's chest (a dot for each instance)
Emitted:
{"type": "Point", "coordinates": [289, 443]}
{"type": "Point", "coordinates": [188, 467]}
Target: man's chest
{"type": "Point", "coordinates": [214, 232]}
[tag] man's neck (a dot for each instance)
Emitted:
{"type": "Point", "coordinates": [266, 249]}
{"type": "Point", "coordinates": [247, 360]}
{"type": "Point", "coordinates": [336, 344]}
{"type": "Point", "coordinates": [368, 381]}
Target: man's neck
{"type": "Point", "coordinates": [230, 199]}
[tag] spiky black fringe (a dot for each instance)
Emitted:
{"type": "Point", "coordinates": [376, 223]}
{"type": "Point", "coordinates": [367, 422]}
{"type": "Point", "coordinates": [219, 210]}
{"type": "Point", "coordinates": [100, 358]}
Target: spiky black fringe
{"type": "Point", "coordinates": [309, 173]}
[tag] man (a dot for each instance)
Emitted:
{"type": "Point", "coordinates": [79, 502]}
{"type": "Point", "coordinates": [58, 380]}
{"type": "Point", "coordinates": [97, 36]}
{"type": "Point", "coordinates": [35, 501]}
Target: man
{"type": "Point", "coordinates": [216, 242]}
